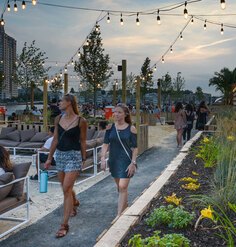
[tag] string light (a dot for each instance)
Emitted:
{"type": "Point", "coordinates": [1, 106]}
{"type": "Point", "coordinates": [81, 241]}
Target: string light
{"type": "Point", "coordinates": [121, 20]}
{"type": "Point", "coordinates": [97, 27]}
{"type": "Point", "coordinates": [162, 60]}
{"type": "Point", "coordinates": [222, 29]}
{"type": "Point", "coordinates": [15, 7]}
{"type": "Point", "coordinates": [65, 69]}
{"type": "Point", "coordinates": [171, 49]}
{"type": "Point", "coordinates": [8, 7]}
{"type": "Point", "coordinates": [181, 36]}
{"type": "Point", "coordinates": [185, 10]}
{"type": "Point", "coordinates": [79, 54]}
{"type": "Point", "coordinates": [155, 68]}
{"type": "Point", "coordinates": [2, 22]}
{"type": "Point", "coordinates": [34, 2]}
{"type": "Point", "coordinates": [72, 62]}
{"type": "Point", "coordinates": [158, 17]}
{"type": "Point", "coordinates": [23, 5]}
{"type": "Point", "coordinates": [87, 42]}
{"type": "Point", "coordinates": [108, 18]}
{"type": "Point", "coordinates": [222, 4]}
{"type": "Point", "coordinates": [137, 20]}
{"type": "Point", "coordinates": [192, 21]}
{"type": "Point", "coordinates": [205, 25]}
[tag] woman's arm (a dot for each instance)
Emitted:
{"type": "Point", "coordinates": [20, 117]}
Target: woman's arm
{"type": "Point", "coordinates": [135, 148]}
{"type": "Point", "coordinates": [83, 137]}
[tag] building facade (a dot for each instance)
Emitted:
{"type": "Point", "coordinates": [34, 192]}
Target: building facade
{"type": "Point", "coordinates": [8, 85]}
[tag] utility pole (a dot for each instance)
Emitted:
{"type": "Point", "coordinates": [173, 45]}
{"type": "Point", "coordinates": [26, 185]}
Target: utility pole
{"type": "Point", "coordinates": [45, 104]}
{"type": "Point", "coordinates": [114, 94]}
{"type": "Point", "coordinates": [159, 93]}
{"type": "Point", "coordinates": [124, 78]}
{"type": "Point", "coordinates": [65, 83]}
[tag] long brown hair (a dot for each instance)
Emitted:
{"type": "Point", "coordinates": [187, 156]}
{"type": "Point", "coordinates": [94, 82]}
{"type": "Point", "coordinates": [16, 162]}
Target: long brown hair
{"type": "Point", "coordinates": [5, 162]}
{"type": "Point", "coordinates": [125, 108]}
{"type": "Point", "coordinates": [71, 98]}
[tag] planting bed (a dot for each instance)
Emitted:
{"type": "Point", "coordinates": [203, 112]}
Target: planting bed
{"type": "Point", "coordinates": [206, 233]}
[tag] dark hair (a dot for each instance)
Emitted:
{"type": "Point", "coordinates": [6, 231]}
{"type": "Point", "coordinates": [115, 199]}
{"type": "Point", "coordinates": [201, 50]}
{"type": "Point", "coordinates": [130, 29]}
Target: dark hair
{"type": "Point", "coordinates": [51, 129]}
{"type": "Point", "coordinates": [125, 108]}
{"type": "Point", "coordinates": [189, 107]}
{"type": "Point", "coordinates": [5, 162]}
{"type": "Point", "coordinates": [178, 106]}
{"type": "Point", "coordinates": [202, 104]}
{"type": "Point", "coordinates": [54, 100]}
{"type": "Point", "coordinates": [102, 125]}
{"type": "Point", "coordinates": [71, 98]}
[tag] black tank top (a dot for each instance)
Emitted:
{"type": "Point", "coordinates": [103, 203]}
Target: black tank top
{"type": "Point", "coordinates": [69, 139]}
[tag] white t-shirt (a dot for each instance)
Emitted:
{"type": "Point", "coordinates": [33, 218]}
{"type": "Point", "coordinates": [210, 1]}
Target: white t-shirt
{"type": "Point", "coordinates": [48, 143]}
{"type": "Point", "coordinates": [2, 171]}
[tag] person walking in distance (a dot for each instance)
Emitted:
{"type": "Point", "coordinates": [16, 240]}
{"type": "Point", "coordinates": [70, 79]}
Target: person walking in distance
{"type": "Point", "coordinates": [180, 122]}
{"type": "Point", "coordinates": [121, 139]}
{"type": "Point", "coordinates": [69, 143]}
{"type": "Point", "coordinates": [190, 116]}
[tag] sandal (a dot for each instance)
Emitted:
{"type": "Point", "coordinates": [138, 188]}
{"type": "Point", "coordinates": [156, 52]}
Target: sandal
{"type": "Point", "coordinates": [74, 212]}
{"type": "Point", "coordinates": [62, 231]}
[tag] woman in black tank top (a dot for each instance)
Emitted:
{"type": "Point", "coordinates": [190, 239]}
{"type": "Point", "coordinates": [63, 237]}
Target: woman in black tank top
{"type": "Point", "coordinates": [69, 143]}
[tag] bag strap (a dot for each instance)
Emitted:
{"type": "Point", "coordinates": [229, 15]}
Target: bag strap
{"type": "Point", "coordinates": [122, 143]}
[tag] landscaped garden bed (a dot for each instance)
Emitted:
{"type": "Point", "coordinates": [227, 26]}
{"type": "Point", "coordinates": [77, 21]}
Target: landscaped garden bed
{"type": "Point", "coordinates": [198, 205]}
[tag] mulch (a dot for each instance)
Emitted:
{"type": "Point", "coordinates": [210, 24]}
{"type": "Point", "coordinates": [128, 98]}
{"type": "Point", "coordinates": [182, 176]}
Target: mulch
{"type": "Point", "coordinates": [206, 233]}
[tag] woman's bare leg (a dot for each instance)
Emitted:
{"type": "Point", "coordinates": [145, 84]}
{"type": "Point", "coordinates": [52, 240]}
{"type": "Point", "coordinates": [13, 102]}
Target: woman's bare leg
{"type": "Point", "coordinates": [123, 195]}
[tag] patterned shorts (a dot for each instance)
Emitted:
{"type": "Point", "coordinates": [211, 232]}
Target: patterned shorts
{"type": "Point", "coordinates": [68, 161]}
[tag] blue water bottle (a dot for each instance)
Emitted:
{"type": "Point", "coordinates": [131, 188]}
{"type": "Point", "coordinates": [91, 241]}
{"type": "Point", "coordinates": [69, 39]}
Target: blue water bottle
{"type": "Point", "coordinates": [43, 187]}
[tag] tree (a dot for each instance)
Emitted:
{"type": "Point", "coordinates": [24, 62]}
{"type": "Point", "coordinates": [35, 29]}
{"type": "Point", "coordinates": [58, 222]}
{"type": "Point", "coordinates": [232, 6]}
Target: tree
{"type": "Point", "coordinates": [56, 87]}
{"type": "Point", "coordinates": [30, 70]}
{"type": "Point", "coordinates": [178, 85]}
{"type": "Point", "coordinates": [146, 76]}
{"type": "Point", "coordinates": [131, 82]}
{"type": "Point", "coordinates": [199, 94]}
{"type": "Point", "coordinates": [93, 65]}
{"type": "Point", "coordinates": [222, 81]}
{"type": "Point", "coordinates": [166, 86]}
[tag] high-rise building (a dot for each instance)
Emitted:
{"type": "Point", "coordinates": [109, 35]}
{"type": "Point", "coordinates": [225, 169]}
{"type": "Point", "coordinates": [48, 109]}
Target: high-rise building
{"type": "Point", "coordinates": [8, 84]}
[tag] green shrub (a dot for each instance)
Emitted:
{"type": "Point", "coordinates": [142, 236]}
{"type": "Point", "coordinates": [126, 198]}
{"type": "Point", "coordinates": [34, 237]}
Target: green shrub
{"type": "Point", "coordinates": [173, 217]}
{"type": "Point", "coordinates": [168, 240]}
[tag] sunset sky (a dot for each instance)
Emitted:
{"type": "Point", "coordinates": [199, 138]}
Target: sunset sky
{"type": "Point", "coordinates": [59, 32]}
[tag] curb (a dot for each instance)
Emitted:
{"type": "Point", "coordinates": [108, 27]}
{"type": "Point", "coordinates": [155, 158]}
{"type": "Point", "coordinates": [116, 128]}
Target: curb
{"type": "Point", "coordinates": [118, 230]}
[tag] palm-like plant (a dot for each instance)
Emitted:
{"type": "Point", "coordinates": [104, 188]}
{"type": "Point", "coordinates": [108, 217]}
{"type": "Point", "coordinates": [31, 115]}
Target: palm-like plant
{"type": "Point", "coordinates": [223, 82]}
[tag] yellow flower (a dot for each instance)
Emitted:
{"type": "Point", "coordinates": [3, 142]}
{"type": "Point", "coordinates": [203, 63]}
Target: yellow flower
{"type": "Point", "coordinates": [207, 213]}
{"type": "Point", "coordinates": [191, 186]}
{"type": "Point", "coordinates": [189, 179]}
{"type": "Point", "coordinates": [231, 138]}
{"type": "Point", "coordinates": [173, 199]}
{"type": "Point", "coordinates": [195, 173]}
{"type": "Point", "coordinates": [206, 140]}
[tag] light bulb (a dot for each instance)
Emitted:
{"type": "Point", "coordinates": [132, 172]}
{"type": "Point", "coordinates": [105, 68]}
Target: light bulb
{"type": "Point", "coordinates": [137, 20]}
{"type": "Point", "coordinates": [61, 74]}
{"type": "Point", "coordinates": [181, 36]}
{"type": "Point", "coordinates": [15, 7]}
{"type": "Point", "coordinates": [97, 27]}
{"type": "Point", "coordinates": [79, 54]}
{"type": "Point", "coordinates": [205, 25]}
{"type": "Point", "coordinates": [108, 18]}
{"type": "Point", "coordinates": [192, 21]}
{"type": "Point", "coordinates": [155, 68]}
{"type": "Point", "coordinates": [65, 68]}
{"type": "Point", "coordinates": [222, 29]}
{"type": "Point", "coordinates": [72, 62]}
{"type": "Point", "coordinates": [23, 5]}
{"type": "Point", "coordinates": [163, 60]}
{"type": "Point", "coordinates": [2, 22]}
{"type": "Point", "coordinates": [8, 7]}
{"type": "Point", "coordinates": [34, 2]}
{"type": "Point", "coordinates": [121, 20]}
{"type": "Point", "coordinates": [222, 4]}
{"type": "Point", "coordinates": [185, 11]}
{"type": "Point", "coordinates": [87, 42]}
{"type": "Point", "coordinates": [171, 49]}
{"type": "Point", "coordinates": [158, 18]}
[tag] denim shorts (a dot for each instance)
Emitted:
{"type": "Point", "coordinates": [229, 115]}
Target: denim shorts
{"type": "Point", "coordinates": [68, 161]}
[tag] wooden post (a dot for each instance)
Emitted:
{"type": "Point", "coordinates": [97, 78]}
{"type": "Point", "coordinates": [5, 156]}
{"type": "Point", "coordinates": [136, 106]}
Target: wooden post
{"type": "Point", "coordinates": [124, 78]}
{"type": "Point", "coordinates": [114, 95]}
{"type": "Point", "coordinates": [65, 83]}
{"type": "Point", "coordinates": [45, 104]}
{"type": "Point", "coordinates": [159, 93]}
{"type": "Point", "coordinates": [138, 109]}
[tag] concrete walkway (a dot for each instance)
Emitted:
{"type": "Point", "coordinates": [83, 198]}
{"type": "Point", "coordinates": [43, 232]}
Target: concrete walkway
{"type": "Point", "coordinates": [98, 205]}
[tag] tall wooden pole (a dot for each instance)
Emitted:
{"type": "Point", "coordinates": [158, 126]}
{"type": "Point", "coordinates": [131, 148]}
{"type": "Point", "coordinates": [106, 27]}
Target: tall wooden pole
{"type": "Point", "coordinates": [138, 109]}
{"type": "Point", "coordinates": [45, 104]}
{"type": "Point", "coordinates": [114, 95]}
{"type": "Point", "coordinates": [65, 83]}
{"type": "Point", "coordinates": [159, 93]}
{"type": "Point", "coordinates": [124, 78]}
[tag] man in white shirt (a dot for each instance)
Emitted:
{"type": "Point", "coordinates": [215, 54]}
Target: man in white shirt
{"type": "Point", "coordinates": [42, 156]}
